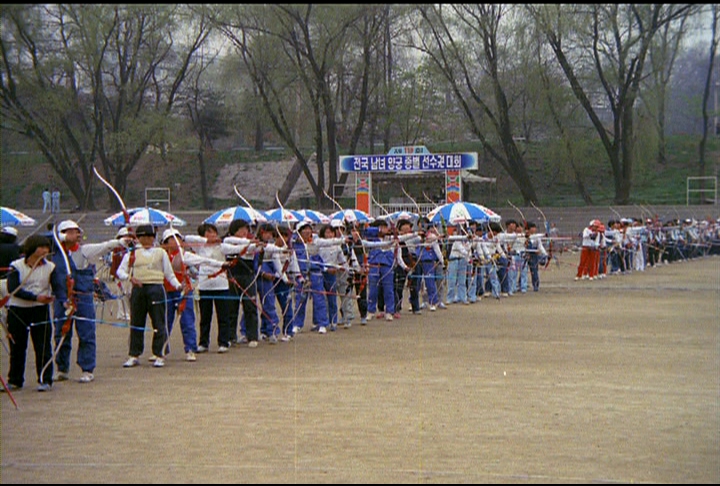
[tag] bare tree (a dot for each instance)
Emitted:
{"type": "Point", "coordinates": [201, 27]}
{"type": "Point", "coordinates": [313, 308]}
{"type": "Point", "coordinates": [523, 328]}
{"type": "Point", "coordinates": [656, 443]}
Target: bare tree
{"type": "Point", "coordinates": [477, 76]}
{"type": "Point", "coordinates": [662, 54]}
{"type": "Point", "coordinates": [619, 36]}
{"type": "Point", "coordinates": [93, 83]}
{"type": "Point", "coordinates": [706, 92]}
{"type": "Point", "coordinates": [297, 55]}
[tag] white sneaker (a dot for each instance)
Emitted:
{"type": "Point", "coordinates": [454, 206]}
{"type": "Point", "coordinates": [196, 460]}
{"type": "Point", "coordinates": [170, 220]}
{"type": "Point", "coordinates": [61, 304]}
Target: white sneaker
{"type": "Point", "coordinates": [363, 321]}
{"type": "Point", "coordinates": [152, 358]}
{"type": "Point", "coordinates": [347, 325]}
{"type": "Point", "coordinates": [159, 363]}
{"type": "Point", "coordinates": [201, 349]}
{"type": "Point", "coordinates": [433, 308]}
{"type": "Point", "coordinates": [131, 362]}
{"type": "Point", "coordinates": [86, 377]}
{"type": "Point", "coordinates": [285, 338]}
{"type": "Point", "coordinates": [190, 356]}
{"type": "Point", "coordinates": [296, 330]}
{"type": "Point", "coordinates": [253, 344]}
{"type": "Point", "coordinates": [322, 330]}
{"type": "Point", "coordinates": [388, 317]}
{"type": "Point", "coordinates": [223, 349]}
{"type": "Point", "coordinates": [273, 339]}
{"type": "Point", "coordinates": [62, 376]}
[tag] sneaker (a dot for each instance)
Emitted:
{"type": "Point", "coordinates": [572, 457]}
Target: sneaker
{"type": "Point", "coordinates": [379, 315]}
{"type": "Point", "coordinates": [152, 358]}
{"type": "Point", "coordinates": [43, 387]}
{"type": "Point", "coordinates": [263, 337]}
{"type": "Point", "coordinates": [433, 308]}
{"type": "Point", "coordinates": [363, 321]}
{"type": "Point", "coordinates": [465, 302]}
{"type": "Point", "coordinates": [11, 387]}
{"type": "Point", "coordinates": [577, 278]}
{"type": "Point", "coordinates": [322, 330]}
{"type": "Point", "coordinates": [242, 340]}
{"type": "Point", "coordinates": [333, 327]}
{"type": "Point", "coordinates": [201, 349]}
{"type": "Point", "coordinates": [86, 377]}
{"type": "Point", "coordinates": [190, 356]}
{"type": "Point", "coordinates": [442, 306]}
{"type": "Point", "coordinates": [253, 344]}
{"type": "Point", "coordinates": [223, 349]}
{"type": "Point", "coordinates": [273, 339]}
{"type": "Point", "coordinates": [347, 325]}
{"type": "Point", "coordinates": [285, 338]}
{"type": "Point", "coordinates": [131, 362]}
{"type": "Point", "coordinates": [62, 376]}
{"type": "Point", "coordinates": [423, 305]}
{"type": "Point", "coordinates": [296, 330]}
{"type": "Point", "coordinates": [159, 363]}
{"type": "Point", "coordinates": [504, 294]}
{"type": "Point", "coordinates": [388, 317]}
{"type": "Point", "coordinates": [396, 315]}
{"type": "Point", "coordinates": [417, 313]}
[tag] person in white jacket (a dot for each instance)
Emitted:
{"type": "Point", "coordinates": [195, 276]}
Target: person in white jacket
{"type": "Point", "coordinates": [213, 288]}
{"type": "Point", "coordinates": [458, 261]}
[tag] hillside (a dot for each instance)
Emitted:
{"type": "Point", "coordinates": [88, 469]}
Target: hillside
{"type": "Point", "coordinates": [259, 175]}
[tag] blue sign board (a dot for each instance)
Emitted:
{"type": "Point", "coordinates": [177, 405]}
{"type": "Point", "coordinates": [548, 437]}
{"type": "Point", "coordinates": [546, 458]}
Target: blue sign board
{"type": "Point", "coordinates": [408, 162]}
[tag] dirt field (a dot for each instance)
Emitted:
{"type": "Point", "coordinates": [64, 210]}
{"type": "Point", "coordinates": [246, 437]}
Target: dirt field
{"type": "Point", "coordinates": [615, 380]}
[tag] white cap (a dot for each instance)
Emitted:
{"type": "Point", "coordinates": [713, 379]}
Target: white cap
{"type": "Point", "coordinates": [168, 233]}
{"type": "Point", "coordinates": [68, 224]}
{"type": "Point", "coordinates": [124, 231]}
{"type": "Point", "coordinates": [336, 223]}
{"type": "Point", "coordinates": [9, 230]}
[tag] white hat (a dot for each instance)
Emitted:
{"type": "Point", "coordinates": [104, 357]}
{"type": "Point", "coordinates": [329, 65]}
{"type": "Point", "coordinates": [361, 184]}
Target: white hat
{"type": "Point", "coordinates": [9, 230]}
{"type": "Point", "coordinates": [168, 233]}
{"type": "Point", "coordinates": [124, 231]}
{"type": "Point", "coordinates": [336, 223]}
{"type": "Point", "coordinates": [68, 224]}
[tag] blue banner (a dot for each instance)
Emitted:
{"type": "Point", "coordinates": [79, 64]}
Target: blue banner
{"type": "Point", "coordinates": [407, 163]}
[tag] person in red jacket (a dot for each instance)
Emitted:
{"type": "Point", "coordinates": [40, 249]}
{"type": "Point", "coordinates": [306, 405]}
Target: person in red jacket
{"type": "Point", "coordinates": [589, 255]}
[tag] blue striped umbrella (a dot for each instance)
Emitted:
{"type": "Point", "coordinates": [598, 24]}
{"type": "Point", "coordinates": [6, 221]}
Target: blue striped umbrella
{"type": "Point", "coordinates": [352, 216]}
{"type": "Point", "coordinates": [12, 217]}
{"type": "Point", "coordinates": [225, 216]}
{"type": "Point", "coordinates": [314, 216]}
{"type": "Point", "coordinates": [462, 212]}
{"type": "Point", "coordinates": [138, 216]}
{"type": "Point", "coordinates": [281, 215]}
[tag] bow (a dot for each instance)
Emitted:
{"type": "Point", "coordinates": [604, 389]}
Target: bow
{"type": "Point", "coordinates": [525, 225]}
{"type": "Point", "coordinates": [256, 300]}
{"type": "Point", "coordinates": [286, 245]}
{"type": "Point", "coordinates": [365, 265]}
{"type": "Point", "coordinates": [126, 215]}
{"type": "Point", "coordinates": [547, 233]}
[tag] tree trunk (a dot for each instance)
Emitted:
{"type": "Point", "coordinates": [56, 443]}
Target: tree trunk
{"type": "Point", "coordinates": [206, 199]}
{"type": "Point", "coordinates": [706, 97]}
{"type": "Point", "coordinates": [290, 180]}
